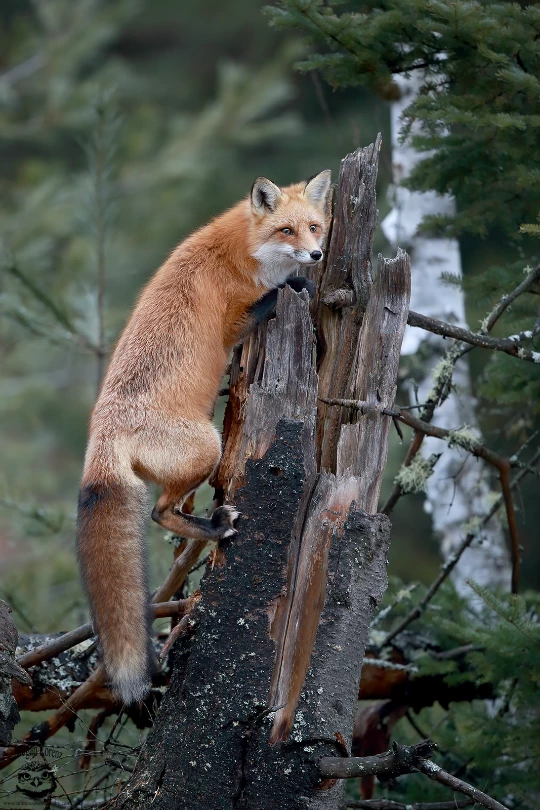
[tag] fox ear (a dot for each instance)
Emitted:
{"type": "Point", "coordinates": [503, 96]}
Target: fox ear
{"type": "Point", "coordinates": [317, 188]}
{"type": "Point", "coordinates": [265, 196]}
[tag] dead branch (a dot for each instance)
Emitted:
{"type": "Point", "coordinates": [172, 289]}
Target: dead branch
{"type": "Point", "coordinates": [501, 463]}
{"type": "Point", "coordinates": [401, 760]}
{"type": "Point", "coordinates": [452, 561]}
{"type": "Point", "coordinates": [509, 345]}
{"type": "Point", "coordinates": [50, 649]}
{"type": "Point", "coordinates": [388, 804]}
{"type": "Point", "coordinates": [378, 682]}
{"type": "Point", "coordinates": [457, 351]}
{"type": "Point", "coordinates": [179, 570]}
{"type": "Point", "coordinates": [91, 691]}
{"type": "Point", "coordinates": [439, 775]}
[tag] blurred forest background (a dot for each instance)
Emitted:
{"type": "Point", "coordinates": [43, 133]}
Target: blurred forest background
{"type": "Point", "coordinates": [123, 126]}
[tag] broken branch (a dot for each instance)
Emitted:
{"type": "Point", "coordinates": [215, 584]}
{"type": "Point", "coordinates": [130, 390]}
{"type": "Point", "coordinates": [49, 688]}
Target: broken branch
{"type": "Point", "coordinates": [452, 561]}
{"type": "Point", "coordinates": [70, 639]}
{"type": "Point", "coordinates": [401, 760]}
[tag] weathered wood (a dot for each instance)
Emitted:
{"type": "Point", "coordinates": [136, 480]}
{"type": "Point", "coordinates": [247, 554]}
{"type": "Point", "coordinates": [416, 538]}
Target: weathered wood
{"type": "Point", "coordinates": [362, 451]}
{"type": "Point", "coordinates": [9, 669]}
{"type": "Point", "coordinates": [273, 377]}
{"type": "Point", "coordinates": [348, 270]}
{"type": "Point", "coordinates": [363, 447]}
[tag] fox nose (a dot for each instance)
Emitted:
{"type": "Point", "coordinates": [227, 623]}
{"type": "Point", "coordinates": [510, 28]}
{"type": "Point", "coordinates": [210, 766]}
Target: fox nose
{"type": "Point", "coordinates": [316, 255]}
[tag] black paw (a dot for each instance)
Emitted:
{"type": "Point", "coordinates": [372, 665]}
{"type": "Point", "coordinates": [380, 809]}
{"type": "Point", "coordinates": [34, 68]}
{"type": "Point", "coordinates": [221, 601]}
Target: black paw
{"type": "Point", "coordinates": [299, 283]}
{"type": "Point", "coordinates": [223, 518]}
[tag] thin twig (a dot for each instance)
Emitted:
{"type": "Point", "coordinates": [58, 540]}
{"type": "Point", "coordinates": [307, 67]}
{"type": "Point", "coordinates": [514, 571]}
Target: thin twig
{"type": "Point", "coordinates": [179, 570]}
{"type": "Point", "coordinates": [388, 804]}
{"type": "Point", "coordinates": [64, 642]}
{"type": "Point", "coordinates": [444, 778]}
{"type": "Point", "coordinates": [501, 463]}
{"type": "Point", "coordinates": [180, 629]}
{"type": "Point", "coordinates": [506, 300]}
{"type": "Point", "coordinates": [97, 679]}
{"type": "Point", "coordinates": [455, 353]}
{"type": "Point", "coordinates": [504, 474]}
{"type": "Point", "coordinates": [452, 561]}
{"type": "Point", "coordinates": [511, 346]}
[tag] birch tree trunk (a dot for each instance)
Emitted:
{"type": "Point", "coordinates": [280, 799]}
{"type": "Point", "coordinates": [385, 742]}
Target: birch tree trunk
{"type": "Point", "coordinates": [459, 489]}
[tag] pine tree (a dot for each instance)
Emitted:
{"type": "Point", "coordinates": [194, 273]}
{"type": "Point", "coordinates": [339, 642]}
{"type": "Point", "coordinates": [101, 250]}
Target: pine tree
{"type": "Point", "coordinates": [475, 117]}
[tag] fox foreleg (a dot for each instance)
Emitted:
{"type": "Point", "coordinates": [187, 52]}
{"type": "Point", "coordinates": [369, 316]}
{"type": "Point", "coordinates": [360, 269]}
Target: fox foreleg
{"type": "Point", "coordinates": [265, 307]}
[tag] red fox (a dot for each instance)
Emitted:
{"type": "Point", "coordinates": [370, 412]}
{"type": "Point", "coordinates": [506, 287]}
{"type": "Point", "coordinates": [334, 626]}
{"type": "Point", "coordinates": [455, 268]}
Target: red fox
{"type": "Point", "coordinates": [152, 421]}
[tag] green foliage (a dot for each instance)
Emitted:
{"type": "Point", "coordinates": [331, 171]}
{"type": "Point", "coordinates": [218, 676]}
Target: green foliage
{"type": "Point", "coordinates": [533, 229]}
{"type": "Point", "coordinates": [476, 115]}
{"type": "Point", "coordinates": [475, 119]}
{"type": "Point", "coordinates": [494, 744]}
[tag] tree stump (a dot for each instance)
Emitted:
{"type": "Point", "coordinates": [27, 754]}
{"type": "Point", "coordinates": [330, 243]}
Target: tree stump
{"type": "Point", "coordinates": [266, 681]}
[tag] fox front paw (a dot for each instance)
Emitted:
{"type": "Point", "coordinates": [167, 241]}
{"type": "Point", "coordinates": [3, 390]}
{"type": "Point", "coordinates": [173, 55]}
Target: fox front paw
{"type": "Point", "coordinates": [299, 283]}
{"type": "Point", "coordinates": [223, 519]}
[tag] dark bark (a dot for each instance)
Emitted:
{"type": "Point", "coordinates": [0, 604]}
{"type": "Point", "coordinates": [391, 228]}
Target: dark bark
{"type": "Point", "coordinates": [9, 669]}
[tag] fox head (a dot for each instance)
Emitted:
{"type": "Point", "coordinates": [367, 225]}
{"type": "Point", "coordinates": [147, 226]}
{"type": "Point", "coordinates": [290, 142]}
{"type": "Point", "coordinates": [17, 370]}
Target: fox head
{"type": "Point", "coordinates": [289, 225]}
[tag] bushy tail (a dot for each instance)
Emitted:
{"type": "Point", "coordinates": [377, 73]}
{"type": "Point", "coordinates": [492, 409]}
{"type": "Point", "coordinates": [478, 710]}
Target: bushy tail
{"type": "Point", "coordinates": [110, 540]}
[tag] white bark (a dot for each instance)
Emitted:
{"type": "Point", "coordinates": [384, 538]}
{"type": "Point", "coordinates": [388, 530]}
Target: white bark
{"type": "Point", "coordinates": [459, 488]}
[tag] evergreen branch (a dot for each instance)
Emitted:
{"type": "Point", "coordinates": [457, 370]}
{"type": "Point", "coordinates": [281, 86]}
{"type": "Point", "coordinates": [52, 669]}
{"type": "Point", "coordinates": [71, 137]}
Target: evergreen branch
{"type": "Point", "coordinates": [100, 244]}
{"type": "Point", "coordinates": [24, 69]}
{"type": "Point", "coordinates": [492, 603]}
{"type": "Point", "coordinates": [35, 513]}
{"type": "Point", "coordinates": [49, 304]}
{"type": "Point", "coordinates": [40, 295]}
{"type": "Point", "coordinates": [452, 561]}
{"type": "Point", "coordinates": [100, 151]}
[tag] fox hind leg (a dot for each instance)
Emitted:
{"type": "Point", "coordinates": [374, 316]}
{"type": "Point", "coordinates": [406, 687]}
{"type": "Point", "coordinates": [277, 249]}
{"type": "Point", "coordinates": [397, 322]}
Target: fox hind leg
{"type": "Point", "coordinates": [217, 527]}
{"type": "Point", "coordinates": [182, 476]}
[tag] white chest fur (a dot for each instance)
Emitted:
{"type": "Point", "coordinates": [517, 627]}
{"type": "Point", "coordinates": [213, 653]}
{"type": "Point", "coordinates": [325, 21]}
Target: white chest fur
{"type": "Point", "coordinates": [275, 264]}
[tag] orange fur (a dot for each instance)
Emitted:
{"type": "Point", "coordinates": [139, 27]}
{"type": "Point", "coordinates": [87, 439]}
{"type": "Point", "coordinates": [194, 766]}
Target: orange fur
{"type": "Point", "coordinates": [152, 420]}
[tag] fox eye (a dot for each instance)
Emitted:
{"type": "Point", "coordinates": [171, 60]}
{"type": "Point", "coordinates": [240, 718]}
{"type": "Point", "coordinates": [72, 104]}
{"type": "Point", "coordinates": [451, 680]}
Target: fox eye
{"type": "Point", "coordinates": [287, 231]}
{"type": "Point", "coordinates": [312, 228]}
